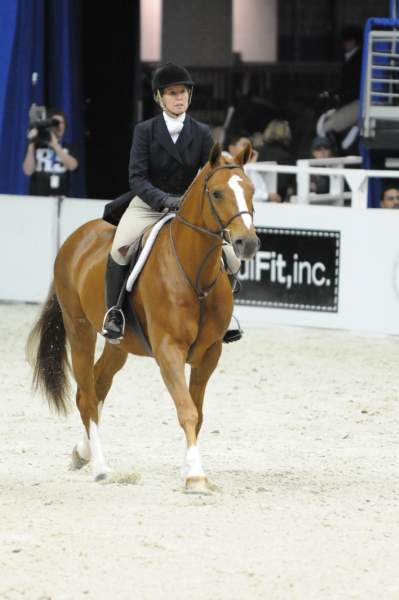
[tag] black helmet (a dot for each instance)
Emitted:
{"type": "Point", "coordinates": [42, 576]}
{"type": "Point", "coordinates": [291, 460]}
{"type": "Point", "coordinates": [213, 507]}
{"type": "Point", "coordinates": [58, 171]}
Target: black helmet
{"type": "Point", "coordinates": [171, 74]}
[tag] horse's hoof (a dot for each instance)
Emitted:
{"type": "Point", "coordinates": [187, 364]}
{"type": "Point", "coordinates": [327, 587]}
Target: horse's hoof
{"type": "Point", "coordinates": [77, 461]}
{"type": "Point", "coordinates": [100, 471]}
{"type": "Point", "coordinates": [197, 485]}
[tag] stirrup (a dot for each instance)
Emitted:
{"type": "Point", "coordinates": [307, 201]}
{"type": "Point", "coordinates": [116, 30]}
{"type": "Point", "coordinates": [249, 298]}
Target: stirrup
{"type": "Point", "coordinates": [233, 335]}
{"type": "Point", "coordinates": [113, 337]}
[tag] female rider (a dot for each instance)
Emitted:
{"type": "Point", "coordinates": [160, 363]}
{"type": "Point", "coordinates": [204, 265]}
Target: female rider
{"type": "Point", "coordinates": [166, 154]}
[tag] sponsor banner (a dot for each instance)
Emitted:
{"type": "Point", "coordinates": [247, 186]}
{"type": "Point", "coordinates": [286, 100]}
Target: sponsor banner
{"type": "Point", "coordinates": [294, 268]}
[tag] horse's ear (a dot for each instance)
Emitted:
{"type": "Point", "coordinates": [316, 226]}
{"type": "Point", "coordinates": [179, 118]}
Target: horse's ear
{"type": "Point", "coordinates": [243, 157]}
{"type": "Point", "coordinates": [215, 154]}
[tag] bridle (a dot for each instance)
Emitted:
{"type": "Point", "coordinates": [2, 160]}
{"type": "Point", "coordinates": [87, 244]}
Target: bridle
{"type": "Point", "coordinates": [222, 234]}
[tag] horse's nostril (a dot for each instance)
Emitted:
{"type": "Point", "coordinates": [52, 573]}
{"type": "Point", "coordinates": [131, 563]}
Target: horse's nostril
{"type": "Point", "coordinates": [239, 247]}
{"type": "Point", "coordinates": [246, 247]}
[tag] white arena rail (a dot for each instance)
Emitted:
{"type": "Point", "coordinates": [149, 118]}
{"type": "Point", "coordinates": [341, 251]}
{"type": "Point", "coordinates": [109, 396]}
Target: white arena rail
{"type": "Point", "coordinates": [357, 180]}
{"type": "Point", "coordinates": [319, 266]}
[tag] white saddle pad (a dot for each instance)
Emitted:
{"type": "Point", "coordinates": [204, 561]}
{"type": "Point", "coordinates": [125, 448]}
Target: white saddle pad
{"type": "Point", "coordinates": [146, 250]}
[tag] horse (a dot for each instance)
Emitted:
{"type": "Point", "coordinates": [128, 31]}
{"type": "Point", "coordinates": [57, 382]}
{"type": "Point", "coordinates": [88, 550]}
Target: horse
{"type": "Point", "coordinates": [183, 300]}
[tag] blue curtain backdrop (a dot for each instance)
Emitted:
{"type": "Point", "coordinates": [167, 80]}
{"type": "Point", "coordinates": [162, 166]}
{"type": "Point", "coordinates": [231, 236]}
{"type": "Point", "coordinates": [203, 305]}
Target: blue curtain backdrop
{"type": "Point", "coordinates": [38, 36]}
{"type": "Point", "coordinates": [64, 77]}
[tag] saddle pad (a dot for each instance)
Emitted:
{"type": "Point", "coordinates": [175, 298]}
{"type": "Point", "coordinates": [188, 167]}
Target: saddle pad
{"type": "Point", "coordinates": [146, 250]}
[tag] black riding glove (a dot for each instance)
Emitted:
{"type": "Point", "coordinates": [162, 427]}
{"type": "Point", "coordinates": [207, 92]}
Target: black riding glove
{"type": "Point", "coordinates": [171, 203]}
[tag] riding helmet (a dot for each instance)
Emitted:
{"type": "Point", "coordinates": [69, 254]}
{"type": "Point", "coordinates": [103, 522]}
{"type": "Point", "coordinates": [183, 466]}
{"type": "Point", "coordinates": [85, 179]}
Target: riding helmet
{"type": "Point", "coordinates": [171, 74]}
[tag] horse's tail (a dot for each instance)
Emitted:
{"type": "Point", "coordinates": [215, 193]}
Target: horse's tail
{"type": "Point", "coordinates": [47, 353]}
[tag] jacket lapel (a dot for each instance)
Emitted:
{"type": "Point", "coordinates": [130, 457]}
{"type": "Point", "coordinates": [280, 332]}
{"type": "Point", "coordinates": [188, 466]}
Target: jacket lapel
{"type": "Point", "coordinates": [186, 135]}
{"type": "Point", "coordinates": [163, 136]}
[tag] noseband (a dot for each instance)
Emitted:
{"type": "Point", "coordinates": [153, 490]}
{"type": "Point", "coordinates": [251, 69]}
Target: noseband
{"type": "Point", "coordinates": [222, 234]}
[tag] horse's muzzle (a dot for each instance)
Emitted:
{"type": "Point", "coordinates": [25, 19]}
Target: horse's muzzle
{"type": "Point", "coordinates": [246, 247]}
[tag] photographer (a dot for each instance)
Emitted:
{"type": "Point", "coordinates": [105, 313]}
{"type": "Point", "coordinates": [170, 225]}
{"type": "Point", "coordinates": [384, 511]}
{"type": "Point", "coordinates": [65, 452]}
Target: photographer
{"type": "Point", "coordinates": [47, 161]}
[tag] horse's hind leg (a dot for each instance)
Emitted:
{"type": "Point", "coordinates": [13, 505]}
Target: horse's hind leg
{"type": "Point", "coordinates": [82, 338]}
{"type": "Point", "coordinates": [110, 362]}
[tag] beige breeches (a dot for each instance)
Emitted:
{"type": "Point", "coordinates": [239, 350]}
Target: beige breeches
{"type": "Point", "coordinates": [135, 219]}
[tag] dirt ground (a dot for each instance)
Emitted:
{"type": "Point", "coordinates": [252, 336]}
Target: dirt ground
{"type": "Point", "coordinates": [300, 440]}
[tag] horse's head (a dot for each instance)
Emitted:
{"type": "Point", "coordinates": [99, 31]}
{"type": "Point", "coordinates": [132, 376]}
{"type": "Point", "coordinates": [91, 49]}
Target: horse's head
{"type": "Point", "coordinates": [228, 203]}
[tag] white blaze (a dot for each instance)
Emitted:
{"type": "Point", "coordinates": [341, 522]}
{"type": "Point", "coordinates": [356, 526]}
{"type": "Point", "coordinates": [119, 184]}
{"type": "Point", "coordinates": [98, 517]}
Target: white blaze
{"type": "Point", "coordinates": [241, 202]}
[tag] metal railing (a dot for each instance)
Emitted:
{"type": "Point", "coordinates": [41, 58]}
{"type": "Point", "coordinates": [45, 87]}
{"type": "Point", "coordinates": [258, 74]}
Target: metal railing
{"type": "Point", "coordinates": [381, 98]}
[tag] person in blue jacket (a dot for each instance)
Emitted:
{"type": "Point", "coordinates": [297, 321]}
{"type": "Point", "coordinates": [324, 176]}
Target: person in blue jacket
{"type": "Point", "coordinates": [166, 154]}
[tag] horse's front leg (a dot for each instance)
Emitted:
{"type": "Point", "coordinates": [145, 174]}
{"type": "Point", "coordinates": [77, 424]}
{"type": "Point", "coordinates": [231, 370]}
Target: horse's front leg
{"type": "Point", "coordinates": [200, 376]}
{"type": "Point", "coordinates": [171, 360]}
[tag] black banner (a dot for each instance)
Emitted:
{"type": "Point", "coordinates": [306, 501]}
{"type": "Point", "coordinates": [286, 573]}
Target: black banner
{"type": "Point", "coordinates": [294, 268]}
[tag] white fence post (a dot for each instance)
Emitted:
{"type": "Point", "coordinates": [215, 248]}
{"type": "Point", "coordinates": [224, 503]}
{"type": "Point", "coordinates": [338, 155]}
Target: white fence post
{"type": "Point", "coordinates": [303, 181]}
{"type": "Point", "coordinates": [357, 180]}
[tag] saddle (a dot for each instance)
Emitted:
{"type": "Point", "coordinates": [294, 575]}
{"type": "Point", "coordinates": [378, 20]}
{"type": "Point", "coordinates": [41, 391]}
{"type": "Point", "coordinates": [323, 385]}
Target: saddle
{"type": "Point", "coordinates": [140, 250]}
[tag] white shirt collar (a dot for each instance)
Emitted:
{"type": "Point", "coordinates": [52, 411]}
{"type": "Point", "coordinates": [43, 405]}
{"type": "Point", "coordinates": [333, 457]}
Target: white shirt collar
{"type": "Point", "coordinates": [174, 124]}
{"type": "Point", "coordinates": [172, 120]}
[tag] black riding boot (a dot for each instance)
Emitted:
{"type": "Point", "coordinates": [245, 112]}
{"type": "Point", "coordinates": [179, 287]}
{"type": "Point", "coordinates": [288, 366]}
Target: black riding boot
{"type": "Point", "coordinates": [114, 320]}
{"type": "Point", "coordinates": [233, 334]}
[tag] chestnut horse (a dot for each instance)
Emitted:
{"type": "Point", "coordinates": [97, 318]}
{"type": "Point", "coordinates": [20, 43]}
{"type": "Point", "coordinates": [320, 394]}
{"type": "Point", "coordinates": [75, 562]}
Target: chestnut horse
{"type": "Point", "coordinates": [183, 299]}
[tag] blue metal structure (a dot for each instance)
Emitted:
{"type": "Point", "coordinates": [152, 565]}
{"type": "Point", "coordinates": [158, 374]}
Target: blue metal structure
{"type": "Point", "coordinates": [379, 96]}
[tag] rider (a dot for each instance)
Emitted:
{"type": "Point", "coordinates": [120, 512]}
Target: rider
{"type": "Point", "coordinates": [166, 154]}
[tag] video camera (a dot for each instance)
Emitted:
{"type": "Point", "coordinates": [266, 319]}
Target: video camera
{"type": "Point", "coordinates": [40, 126]}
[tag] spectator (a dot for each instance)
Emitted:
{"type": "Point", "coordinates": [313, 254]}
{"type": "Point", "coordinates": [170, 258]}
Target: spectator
{"type": "Point", "coordinates": [236, 143]}
{"type": "Point", "coordinates": [276, 147]}
{"type": "Point", "coordinates": [48, 161]}
{"type": "Point", "coordinates": [343, 120]}
{"type": "Point", "coordinates": [320, 148]}
{"type": "Point", "coordinates": [390, 197]}
{"type": "Point", "coordinates": [351, 37]}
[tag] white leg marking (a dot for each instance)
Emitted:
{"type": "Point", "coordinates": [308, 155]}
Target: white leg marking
{"type": "Point", "coordinates": [192, 465]}
{"type": "Point", "coordinates": [241, 202]}
{"type": "Point", "coordinates": [97, 459]}
{"type": "Point", "coordinates": [100, 410]}
{"type": "Point", "coordinates": [83, 447]}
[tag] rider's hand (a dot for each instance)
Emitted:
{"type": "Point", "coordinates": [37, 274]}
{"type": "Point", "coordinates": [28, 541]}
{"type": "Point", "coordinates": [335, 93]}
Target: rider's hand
{"type": "Point", "coordinates": [171, 203]}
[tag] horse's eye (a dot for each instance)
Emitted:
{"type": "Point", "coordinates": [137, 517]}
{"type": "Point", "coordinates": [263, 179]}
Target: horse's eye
{"type": "Point", "coordinates": [217, 194]}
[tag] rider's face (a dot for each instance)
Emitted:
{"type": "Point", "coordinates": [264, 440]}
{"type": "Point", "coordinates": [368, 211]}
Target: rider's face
{"type": "Point", "coordinates": [175, 99]}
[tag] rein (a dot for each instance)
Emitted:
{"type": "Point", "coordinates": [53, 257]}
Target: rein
{"type": "Point", "coordinates": [222, 234]}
